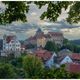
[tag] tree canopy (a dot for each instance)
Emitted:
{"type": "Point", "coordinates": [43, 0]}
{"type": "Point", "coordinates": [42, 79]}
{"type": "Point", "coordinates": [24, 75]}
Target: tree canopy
{"type": "Point", "coordinates": [7, 71]}
{"type": "Point", "coordinates": [54, 9]}
{"type": "Point", "coordinates": [33, 66]}
{"type": "Point", "coordinates": [17, 10]}
{"type": "Point", "coordinates": [51, 46]}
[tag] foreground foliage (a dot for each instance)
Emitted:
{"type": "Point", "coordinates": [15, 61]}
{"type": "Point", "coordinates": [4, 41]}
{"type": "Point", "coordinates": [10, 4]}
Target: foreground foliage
{"type": "Point", "coordinates": [16, 11]}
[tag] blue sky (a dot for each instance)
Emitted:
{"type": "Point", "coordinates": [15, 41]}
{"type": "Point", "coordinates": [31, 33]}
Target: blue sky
{"type": "Point", "coordinates": [24, 30]}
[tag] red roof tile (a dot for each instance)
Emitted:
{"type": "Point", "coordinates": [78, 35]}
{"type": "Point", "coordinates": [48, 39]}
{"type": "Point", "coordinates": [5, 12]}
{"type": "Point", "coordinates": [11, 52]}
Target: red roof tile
{"type": "Point", "coordinates": [32, 38]}
{"type": "Point", "coordinates": [9, 38]}
{"type": "Point", "coordinates": [56, 33]}
{"type": "Point", "coordinates": [43, 54]}
{"type": "Point", "coordinates": [73, 67]}
{"type": "Point", "coordinates": [75, 56]}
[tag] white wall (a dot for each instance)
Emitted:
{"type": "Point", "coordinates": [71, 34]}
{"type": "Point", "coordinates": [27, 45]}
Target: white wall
{"type": "Point", "coordinates": [67, 59]}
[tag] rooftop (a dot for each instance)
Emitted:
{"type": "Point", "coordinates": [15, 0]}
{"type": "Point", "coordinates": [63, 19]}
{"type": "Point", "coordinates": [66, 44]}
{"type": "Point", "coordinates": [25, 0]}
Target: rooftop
{"type": "Point", "coordinates": [73, 67]}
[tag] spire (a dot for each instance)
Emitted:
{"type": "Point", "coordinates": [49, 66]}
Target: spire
{"type": "Point", "coordinates": [39, 30]}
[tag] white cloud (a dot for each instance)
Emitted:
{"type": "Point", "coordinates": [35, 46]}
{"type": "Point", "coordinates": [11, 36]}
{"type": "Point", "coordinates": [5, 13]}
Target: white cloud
{"type": "Point", "coordinates": [33, 14]}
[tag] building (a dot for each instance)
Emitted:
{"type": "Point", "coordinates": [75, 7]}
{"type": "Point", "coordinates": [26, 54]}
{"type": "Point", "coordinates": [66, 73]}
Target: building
{"type": "Point", "coordinates": [57, 37]}
{"type": "Point", "coordinates": [64, 52]}
{"type": "Point", "coordinates": [75, 57]}
{"type": "Point", "coordinates": [47, 57]}
{"type": "Point", "coordinates": [11, 44]}
{"type": "Point", "coordinates": [65, 60]}
{"type": "Point", "coordinates": [40, 39]}
{"type": "Point", "coordinates": [73, 67]}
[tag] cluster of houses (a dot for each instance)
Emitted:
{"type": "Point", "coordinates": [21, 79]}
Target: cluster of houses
{"type": "Point", "coordinates": [65, 56]}
{"type": "Point", "coordinates": [11, 45]}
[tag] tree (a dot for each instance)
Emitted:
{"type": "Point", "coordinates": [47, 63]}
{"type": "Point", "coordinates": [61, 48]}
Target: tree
{"type": "Point", "coordinates": [54, 9]}
{"type": "Point", "coordinates": [51, 46]}
{"type": "Point", "coordinates": [15, 11]}
{"type": "Point", "coordinates": [7, 71]}
{"type": "Point", "coordinates": [33, 66]}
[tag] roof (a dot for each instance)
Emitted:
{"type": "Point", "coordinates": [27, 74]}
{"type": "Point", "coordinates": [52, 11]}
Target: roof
{"type": "Point", "coordinates": [41, 36]}
{"type": "Point", "coordinates": [64, 52]}
{"type": "Point", "coordinates": [47, 36]}
{"type": "Point", "coordinates": [75, 56]}
{"type": "Point", "coordinates": [56, 33]}
{"type": "Point", "coordinates": [9, 38]}
{"type": "Point", "coordinates": [39, 30]}
{"type": "Point", "coordinates": [43, 54]}
{"type": "Point", "coordinates": [32, 38]}
{"type": "Point", "coordinates": [73, 67]}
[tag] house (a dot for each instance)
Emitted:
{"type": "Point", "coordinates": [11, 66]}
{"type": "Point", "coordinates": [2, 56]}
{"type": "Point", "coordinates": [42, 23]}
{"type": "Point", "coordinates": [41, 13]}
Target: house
{"type": "Point", "coordinates": [57, 37]}
{"type": "Point", "coordinates": [75, 57]}
{"type": "Point", "coordinates": [51, 61]}
{"type": "Point", "coordinates": [73, 67]}
{"type": "Point", "coordinates": [64, 52]}
{"type": "Point", "coordinates": [11, 44]}
{"type": "Point", "coordinates": [64, 56]}
{"type": "Point", "coordinates": [46, 56]}
{"type": "Point", "coordinates": [65, 60]}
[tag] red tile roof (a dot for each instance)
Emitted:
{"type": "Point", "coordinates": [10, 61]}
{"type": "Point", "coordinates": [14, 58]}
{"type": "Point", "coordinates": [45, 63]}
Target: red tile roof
{"type": "Point", "coordinates": [56, 33]}
{"type": "Point", "coordinates": [40, 36]}
{"type": "Point", "coordinates": [9, 38]}
{"type": "Point", "coordinates": [32, 38]}
{"type": "Point", "coordinates": [43, 54]}
{"type": "Point", "coordinates": [73, 67]}
{"type": "Point", "coordinates": [75, 56]}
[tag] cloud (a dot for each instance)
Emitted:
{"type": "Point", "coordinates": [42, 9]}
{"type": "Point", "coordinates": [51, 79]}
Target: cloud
{"type": "Point", "coordinates": [24, 30]}
{"type": "Point", "coordinates": [33, 14]}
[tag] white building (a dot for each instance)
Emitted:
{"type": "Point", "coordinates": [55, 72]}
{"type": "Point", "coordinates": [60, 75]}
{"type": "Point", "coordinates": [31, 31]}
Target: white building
{"type": "Point", "coordinates": [11, 44]}
{"type": "Point", "coordinates": [57, 37]}
{"type": "Point", "coordinates": [67, 59]}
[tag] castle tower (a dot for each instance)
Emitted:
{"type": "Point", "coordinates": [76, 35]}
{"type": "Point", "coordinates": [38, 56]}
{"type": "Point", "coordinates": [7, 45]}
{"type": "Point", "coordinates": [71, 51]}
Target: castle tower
{"type": "Point", "coordinates": [39, 32]}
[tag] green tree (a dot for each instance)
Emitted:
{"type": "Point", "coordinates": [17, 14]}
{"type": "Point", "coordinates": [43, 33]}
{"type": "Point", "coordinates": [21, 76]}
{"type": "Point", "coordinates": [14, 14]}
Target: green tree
{"type": "Point", "coordinates": [33, 66]}
{"type": "Point", "coordinates": [15, 11]}
{"type": "Point", "coordinates": [7, 71]}
{"type": "Point", "coordinates": [54, 9]}
{"type": "Point", "coordinates": [51, 46]}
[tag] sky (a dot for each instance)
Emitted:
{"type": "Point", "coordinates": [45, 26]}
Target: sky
{"type": "Point", "coordinates": [25, 30]}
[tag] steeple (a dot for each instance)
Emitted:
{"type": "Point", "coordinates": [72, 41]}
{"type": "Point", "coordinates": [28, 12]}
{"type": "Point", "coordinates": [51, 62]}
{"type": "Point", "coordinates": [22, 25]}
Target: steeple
{"type": "Point", "coordinates": [39, 32]}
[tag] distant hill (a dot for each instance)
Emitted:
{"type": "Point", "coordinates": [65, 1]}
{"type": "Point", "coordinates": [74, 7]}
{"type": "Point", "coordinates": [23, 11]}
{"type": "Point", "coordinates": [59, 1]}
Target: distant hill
{"type": "Point", "coordinates": [76, 41]}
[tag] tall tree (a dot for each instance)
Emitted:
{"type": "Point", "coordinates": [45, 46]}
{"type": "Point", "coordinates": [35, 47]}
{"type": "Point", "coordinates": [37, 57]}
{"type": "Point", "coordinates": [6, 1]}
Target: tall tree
{"type": "Point", "coordinates": [33, 66]}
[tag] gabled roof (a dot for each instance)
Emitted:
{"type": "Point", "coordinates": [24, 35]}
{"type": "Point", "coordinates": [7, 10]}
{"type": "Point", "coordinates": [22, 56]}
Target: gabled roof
{"type": "Point", "coordinates": [43, 54]}
{"type": "Point", "coordinates": [75, 56]}
{"type": "Point", "coordinates": [32, 38]}
{"type": "Point", "coordinates": [9, 38]}
{"type": "Point", "coordinates": [47, 36]}
{"type": "Point", "coordinates": [73, 67]}
{"type": "Point", "coordinates": [40, 36]}
{"type": "Point", "coordinates": [64, 52]}
{"type": "Point", "coordinates": [55, 33]}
